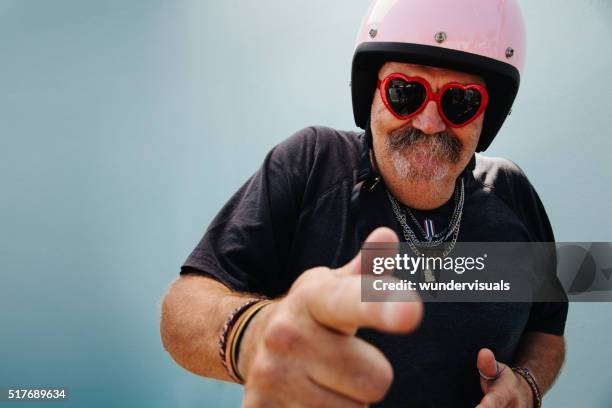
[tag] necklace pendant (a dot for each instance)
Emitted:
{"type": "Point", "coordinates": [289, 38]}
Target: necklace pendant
{"type": "Point", "coordinates": [430, 230]}
{"type": "Point", "coordinates": [429, 276]}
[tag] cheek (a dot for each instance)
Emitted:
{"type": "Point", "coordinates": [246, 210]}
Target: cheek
{"type": "Point", "coordinates": [378, 111]}
{"type": "Point", "coordinates": [379, 123]}
{"type": "Point", "coordinates": [378, 120]}
{"type": "Point", "coordinates": [382, 121]}
{"type": "Point", "coordinates": [470, 134]}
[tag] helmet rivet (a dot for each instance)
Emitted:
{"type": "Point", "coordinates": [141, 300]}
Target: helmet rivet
{"type": "Point", "coordinates": [509, 52]}
{"type": "Point", "coordinates": [373, 32]}
{"type": "Point", "coordinates": [440, 37]}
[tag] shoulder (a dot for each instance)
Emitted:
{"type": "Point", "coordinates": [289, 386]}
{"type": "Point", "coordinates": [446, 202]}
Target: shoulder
{"type": "Point", "coordinates": [317, 159]}
{"type": "Point", "coordinates": [319, 142]}
{"type": "Point", "coordinates": [507, 181]}
{"type": "Point", "coordinates": [498, 172]}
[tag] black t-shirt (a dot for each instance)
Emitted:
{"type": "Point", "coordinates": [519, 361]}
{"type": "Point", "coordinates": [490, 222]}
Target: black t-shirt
{"type": "Point", "coordinates": [296, 212]}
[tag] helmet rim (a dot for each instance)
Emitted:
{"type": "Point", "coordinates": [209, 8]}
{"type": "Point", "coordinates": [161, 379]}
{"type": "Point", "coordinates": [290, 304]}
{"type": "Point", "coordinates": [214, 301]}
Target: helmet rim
{"type": "Point", "coordinates": [502, 79]}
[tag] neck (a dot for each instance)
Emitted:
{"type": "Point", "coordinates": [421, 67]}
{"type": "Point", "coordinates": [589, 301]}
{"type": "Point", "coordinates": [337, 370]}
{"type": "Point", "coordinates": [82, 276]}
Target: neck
{"type": "Point", "coordinates": [422, 195]}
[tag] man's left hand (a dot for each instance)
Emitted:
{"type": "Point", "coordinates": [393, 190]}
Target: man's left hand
{"type": "Point", "coordinates": [509, 390]}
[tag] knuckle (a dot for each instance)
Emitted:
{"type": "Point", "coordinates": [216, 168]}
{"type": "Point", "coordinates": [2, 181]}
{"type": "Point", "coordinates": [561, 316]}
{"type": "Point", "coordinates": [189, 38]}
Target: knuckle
{"type": "Point", "coordinates": [370, 375]}
{"type": "Point", "coordinates": [375, 383]}
{"type": "Point", "coordinates": [509, 395]}
{"type": "Point", "coordinates": [339, 287]}
{"type": "Point", "coordinates": [304, 291]}
{"type": "Point", "coordinates": [253, 399]}
{"type": "Point", "coordinates": [322, 402]}
{"type": "Point", "coordinates": [265, 371]}
{"type": "Point", "coordinates": [253, 403]}
{"type": "Point", "coordinates": [309, 276]}
{"type": "Point", "coordinates": [385, 374]}
{"type": "Point", "coordinates": [282, 335]}
{"type": "Point", "coordinates": [491, 400]}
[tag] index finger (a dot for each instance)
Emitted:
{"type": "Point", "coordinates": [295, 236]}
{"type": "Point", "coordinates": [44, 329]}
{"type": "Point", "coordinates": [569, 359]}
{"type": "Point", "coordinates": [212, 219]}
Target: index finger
{"type": "Point", "coordinates": [379, 235]}
{"type": "Point", "coordinates": [337, 305]}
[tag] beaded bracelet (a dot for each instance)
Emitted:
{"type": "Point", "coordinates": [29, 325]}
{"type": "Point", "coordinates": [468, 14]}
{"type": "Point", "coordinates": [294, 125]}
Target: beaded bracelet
{"type": "Point", "coordinates": [526, 374]}
{"type": "Point", "coordinates": [225, 331]}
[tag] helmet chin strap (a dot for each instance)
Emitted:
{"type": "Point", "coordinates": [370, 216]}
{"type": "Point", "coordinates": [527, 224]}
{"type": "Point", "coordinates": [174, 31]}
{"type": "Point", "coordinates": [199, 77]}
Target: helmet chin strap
{"type": "Point", "coordinates": [366, 170]}
{"type": "Point", "coordinates": [368, 135]}
{"type": "Point", "coordinates": [365, 180]}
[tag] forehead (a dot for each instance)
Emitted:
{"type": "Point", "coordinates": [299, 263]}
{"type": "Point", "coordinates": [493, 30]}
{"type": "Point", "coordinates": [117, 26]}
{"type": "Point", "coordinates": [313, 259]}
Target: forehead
{"type": "Point", "coordinates": [432, 74]}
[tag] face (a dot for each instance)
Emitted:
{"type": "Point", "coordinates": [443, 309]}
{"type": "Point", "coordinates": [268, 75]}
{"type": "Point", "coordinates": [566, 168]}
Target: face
{"type": "Point", "coordinates": [422, 148]}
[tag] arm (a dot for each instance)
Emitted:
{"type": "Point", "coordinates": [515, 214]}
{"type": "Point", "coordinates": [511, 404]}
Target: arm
{"type": "Point", "coordinates": [193, 313]}
{"type": "Point", "coordinates": [299, 350]}
{"type": "Point", "coordinates": [543, 354]}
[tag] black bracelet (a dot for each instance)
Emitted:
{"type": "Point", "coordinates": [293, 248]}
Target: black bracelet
{"type": "Point", "coordinates": [229, 323]}
{"type": "Point", "coordinates": [235, 340]}
{"type": "Point", "coordinates": [526, 374]}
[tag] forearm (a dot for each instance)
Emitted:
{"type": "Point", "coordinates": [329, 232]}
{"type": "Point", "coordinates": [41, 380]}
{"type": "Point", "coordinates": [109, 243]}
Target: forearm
{"type": "Point", "coordinates": [193, 313]}
{"type": "Point", "coordinates": [543, 355]}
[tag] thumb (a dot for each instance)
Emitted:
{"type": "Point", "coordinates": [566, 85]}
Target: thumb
{"type": "Point", "coordinates": [487, 365]}
{"type": "Point", "coordinates": [380, 235]}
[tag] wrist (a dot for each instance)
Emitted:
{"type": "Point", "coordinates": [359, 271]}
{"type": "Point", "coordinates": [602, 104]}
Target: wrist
{"type": "Point", "coordinates": [535, 395]}
{"type": "Point", "coordinates": [251, 338]}
{"type": "Point", "coordinates": [227, 336]}
{"type": "Point", "coordinates": [526, 391]}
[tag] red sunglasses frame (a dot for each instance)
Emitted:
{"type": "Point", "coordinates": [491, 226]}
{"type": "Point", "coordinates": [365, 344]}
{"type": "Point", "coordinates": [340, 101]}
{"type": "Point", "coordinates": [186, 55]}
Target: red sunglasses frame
{"type": "Point", "coordinates": [433, 96]}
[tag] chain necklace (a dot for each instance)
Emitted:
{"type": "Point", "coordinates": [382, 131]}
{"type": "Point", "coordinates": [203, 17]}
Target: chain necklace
{"type": "Point", "coordinates": [446, 232]}
{"type": "Point", "coordinates": [412, 239]}
{"type": "Point", "coordinates": [452, 229]}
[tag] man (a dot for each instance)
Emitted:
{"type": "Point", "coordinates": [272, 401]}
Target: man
{"type": "Point", "coordinates": [429, 94]}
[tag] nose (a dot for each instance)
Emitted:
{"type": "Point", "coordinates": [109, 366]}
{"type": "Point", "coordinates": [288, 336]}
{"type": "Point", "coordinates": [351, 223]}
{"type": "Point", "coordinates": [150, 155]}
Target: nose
{"type": "Point", "coordinates": [429, 121]}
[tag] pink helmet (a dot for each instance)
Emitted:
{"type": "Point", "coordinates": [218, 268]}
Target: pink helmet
{"type": "Point", "coordinates": [482, 37]}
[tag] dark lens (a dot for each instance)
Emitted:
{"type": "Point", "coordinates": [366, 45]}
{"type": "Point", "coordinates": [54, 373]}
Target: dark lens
{"type": "Point", "coordinates": [405, 97]}
{"type": "Point", "coordinates": [460, 105]}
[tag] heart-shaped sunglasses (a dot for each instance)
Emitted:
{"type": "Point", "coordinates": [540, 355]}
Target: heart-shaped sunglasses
{"type": "Point", "coordinates": [458, 104]}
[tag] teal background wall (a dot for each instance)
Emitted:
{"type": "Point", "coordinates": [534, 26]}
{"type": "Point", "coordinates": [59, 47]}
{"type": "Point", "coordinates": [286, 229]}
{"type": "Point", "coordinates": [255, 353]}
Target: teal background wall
{"type": "Point", "coordinates": [125, 125]}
